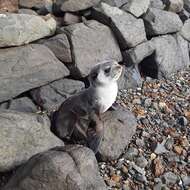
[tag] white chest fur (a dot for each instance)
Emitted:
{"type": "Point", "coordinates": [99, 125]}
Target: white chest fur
{"type": "Point", "coordinates": [107, 95]}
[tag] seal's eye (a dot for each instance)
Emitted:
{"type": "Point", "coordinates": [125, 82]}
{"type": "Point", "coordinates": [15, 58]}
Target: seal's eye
{"type": "Point", "coordinates": [107, 70]}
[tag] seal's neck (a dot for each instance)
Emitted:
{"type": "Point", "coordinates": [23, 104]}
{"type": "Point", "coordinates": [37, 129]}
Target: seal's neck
{"type": "Point", "coordinates": [106, 95]}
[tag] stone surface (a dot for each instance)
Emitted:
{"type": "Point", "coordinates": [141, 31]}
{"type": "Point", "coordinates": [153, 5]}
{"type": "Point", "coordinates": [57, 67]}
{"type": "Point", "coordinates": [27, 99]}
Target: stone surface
{"type": "Point", "coordinates": [175, 6]}
{"type": "Point", "coordinates": [27, 67]}
{"type": "Point", "coordinates": [27, 11]}
{"type": "Point", "coordinates": [158, 4]}
{"type": "Point", "coordinates": [70, 18]}
{"type": "Point", "coordinates": [92, 42]}
{"type": "Point", "coordinates": [175, 58]}
{"type": "Point", "coordinates": [119, 127]}
{"type": "Point", "coordinates": [136, 55]}
{"type": "Point", "coordinates": [51, 96]}
{"type": "Point", "coordinates": [185, 31]}
{"type": "Point", "coordinates": [22, 136]}
{"type": "Point", "coordinates": [136, 7]}
{"type": "Point", "coordinates": [8, 6]}
{"type": "Point", "coordinates": [128, 30]}
{"type": "Point", "coordinates": [19, 29]}
{"type": "Point", "coordinates": [73, 6]}
{"type": "Point", "coordinates": [70, 167]}
{"type": "Point", "coordinates": [170, 178]}
{"type": "Point", "coordinates": [159, 22]}
{"type": "Point", "coordinates": [20, 104]}
{"type": "Point", "coordinates": [37, 4]}
{"type": "Point", "coordinates": [187, 5]}
{"type": "Point", "coordinates": [115, 3]}
{"type": "Point", "coordinates": [60, 46]}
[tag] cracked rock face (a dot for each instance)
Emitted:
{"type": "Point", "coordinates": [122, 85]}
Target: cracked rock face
{"type": "Point", "coordinates": [51, 96]}
{"type": "Point", "coordinates": [19, 29]}
{"type": "Point", "coordinates": [69, 168]}
{"type": "Point", "coordinates": [23, 135]}
{"type": "Point", "coordinates": [92, 43]}
{"type": "Point", "coordinates": [27, 67]}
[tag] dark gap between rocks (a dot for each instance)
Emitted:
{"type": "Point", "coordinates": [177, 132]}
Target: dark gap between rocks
{"type": "Point", "coordinates": [148, 67]}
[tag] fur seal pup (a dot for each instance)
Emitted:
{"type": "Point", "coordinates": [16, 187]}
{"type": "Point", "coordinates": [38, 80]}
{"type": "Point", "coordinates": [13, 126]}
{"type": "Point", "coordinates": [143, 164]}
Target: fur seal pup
{"type": "Point", "coordinates": [78, 118]}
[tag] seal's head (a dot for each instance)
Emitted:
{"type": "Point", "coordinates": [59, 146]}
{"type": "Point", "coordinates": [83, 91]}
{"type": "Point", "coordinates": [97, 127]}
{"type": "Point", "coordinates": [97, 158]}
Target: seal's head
{"type": "Point", "coordinates": [105, 73]}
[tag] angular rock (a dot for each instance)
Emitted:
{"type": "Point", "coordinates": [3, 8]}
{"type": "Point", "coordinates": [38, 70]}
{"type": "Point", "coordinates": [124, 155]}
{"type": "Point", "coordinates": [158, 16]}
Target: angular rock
{"type": "Point", "coordinates": [170, 178]}
{"type": "Point", "coordinates": [60, 46]}
{"type": "Point", "coordinates": [69, 168]}
{"type": "Point", "coordinates": [70, 18]}
{"type": "Point", "coordinates": [51, 96]}
{"type": "Point", "coordinates": [158, 4]}
{"type": "Point", "coordinates": [128, 30]}
{"type": "Point", "coordinates": [27, 11]}
{"type": "Point", "coordinates": [175, 6]}
{"type": "Point", "coordinates": [19, 29]}
{"type": "Point", "coordinates": [27, 67]}
{"type": "Point", "coordinates": [175, 58]}
{"type": "Point", "coordinates": [73, 5]}
{"type": "Point", "coordinates": [8, 6]}
{"type": "Point", "coordinates": [36, 4]}
{"type": "Point", "coordinates": [187, 5]}
{"type": "Point", "coordinates": [159, 22]}
{"type": "Point", "coordinates": [115, 3]}
{"type": "Point", "coordinates": [135, 55]}
{"type": "Point", "coordinates": [21, 104]}
{"type": "Point", "coordinates": [22, 136]}
{"type": "Point", "coordinates": [92, 42]}
{"type": "Point", "coordinates": [119, 127]}
{"type": "Point", "coordinates": [136, 7]}
{"type": "Point", "coordinates": [185, 31]}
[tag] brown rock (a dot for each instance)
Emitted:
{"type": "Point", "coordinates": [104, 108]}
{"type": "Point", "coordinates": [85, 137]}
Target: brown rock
{"type": "Point", "coordinates": [158, 167]}
{"type": "Point", "coordinates": [178, 149]}
{"type": "Point", "coordinates": [8, 6]}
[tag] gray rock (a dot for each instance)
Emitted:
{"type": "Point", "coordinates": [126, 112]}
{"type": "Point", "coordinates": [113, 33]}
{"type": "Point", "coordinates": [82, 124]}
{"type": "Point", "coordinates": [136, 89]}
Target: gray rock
{"type": "Point", "coordinates": [159, 22]}
{"type": "Point", "coordinates": [135, 55]}
{"type": "Point", "coordinates": [136, 7]}
{"type": "Point", "coordinates": [169, 143]}
{"type": "Point", "coordinates": [160, 148]}
{"type": "Point", "coordinates": [36, 4]}
{"type": "Point", "coordinates": [186, 180]}
{"type": "Point", "coordinates": [119, 127]}
{"type": "Point", "coordinates": [70, 167]}
{"type": "Point", "coordinates": [97, 42]}
{"type": "Point", "coordinates": [73, 6]}
{"type": "Point", "coordinates": [129, 30]}
{"type": "Point", "coordinates": [130, 78]}
{"type": "Point", "coordinates": [27, 11]}
{"type": "Point", "coordinates": [187, 5]}
{"type": "Point", "coordinates": [175, 58]}
{"type": "Point", "coordinates": [182, 121]}
{"type": "Point", "coordinates": [184, 15]}
{"type": "Point", "coordinates": [131, 153]}
{"type": "Point", "coordinates": [51, 96]}
{"type": "Point", "coordinates": [27, 67]}
{"type": "Point", "coordinates": [158, 4]}
{"type": "Point", "coordinates": [70, 18]}
{"type": "Point", "coordinates": [60, 46]}
{"type": "Point", "coordinates": [19, 29]}
{"type": "Point", "coordinates": [22, 136]}
{"type": "Point", "coordinates": [170, 178]}
{"type": "Point", "coordinates": [185, 31]}
{"type": "Point", "coordinates": [141, 162]}
{"type": "Point", "coordinates": [20, 104]}
{"type": "Point", "coordinates": [115, 3]}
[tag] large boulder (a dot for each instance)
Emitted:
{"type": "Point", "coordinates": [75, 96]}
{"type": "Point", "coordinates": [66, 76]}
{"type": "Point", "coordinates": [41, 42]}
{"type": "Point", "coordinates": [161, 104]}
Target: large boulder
{"type": "Point", "coordinates": [119, 127]}
{"type": "Point", "coordinates": [8, 6]}
{"type": "Point", "coordinates": [136, 7]}
{"type": "Point", "coordinates": [159, 22]}
{"type": "Point", "coordinates": [19, 29]}
{"type": "Point", "coordinates": [51, 96]}
{"type": "Point", "coordinates": [92, 42]}
{"type": "Point", "coordinates": [171, 54]}
{"type": "Point", "coordinates": [23, 135]}
{"type": "Point", "coordinates": [185, 31]}
{"type": "Point", "coordinates": [23, 104]}
{"type": "Point", "coordinates": [62, 168]}
{"type": "Point", "coordinates": [128, 30]}
{"type": "Point", "coordinates": [73, 5]}
{"type": "Point", "coordinates": [60, 46]}
{"type": "Point", "coordinates": [27, 67]}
